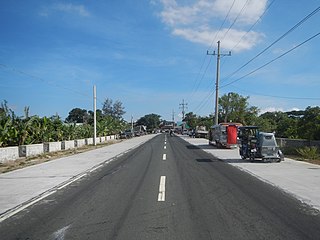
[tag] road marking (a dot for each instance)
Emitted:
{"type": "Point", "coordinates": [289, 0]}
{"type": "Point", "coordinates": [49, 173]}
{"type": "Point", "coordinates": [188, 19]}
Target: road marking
{"type": "Point", "coordinates": [10, 214]}
{"type": "Point", "coordinates": [162, 189]}
{"type": "Point", "coordinates": [164, 157]}
{"type": "Point", "coordinates": [165, 142]}
{"type": "Point", "coordinates": [165, 147]}
{"type": "Point", "coordinates": [73, 180]}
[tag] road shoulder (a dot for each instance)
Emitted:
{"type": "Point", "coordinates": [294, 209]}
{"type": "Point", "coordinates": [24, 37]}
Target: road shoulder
{"type": "Point", "coordinates": [300, 179]}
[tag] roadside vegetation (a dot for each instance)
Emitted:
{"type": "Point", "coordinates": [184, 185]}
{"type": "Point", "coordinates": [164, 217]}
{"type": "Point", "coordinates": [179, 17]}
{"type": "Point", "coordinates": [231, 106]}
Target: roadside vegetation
{"type": "Point", "coordinates": [16, 130]}
{"type": "Point", "coordinates": [22, 130]}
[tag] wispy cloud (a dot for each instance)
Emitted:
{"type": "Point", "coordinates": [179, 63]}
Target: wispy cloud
{"type": "Point", "coordinates": [66, 8]}
{"type": "Point", "coordinates": [200, 22]}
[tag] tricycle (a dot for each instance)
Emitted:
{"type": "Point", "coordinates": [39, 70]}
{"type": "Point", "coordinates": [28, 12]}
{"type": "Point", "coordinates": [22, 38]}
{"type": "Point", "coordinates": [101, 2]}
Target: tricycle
{"type": "Point", "coordinates": [258, 145]}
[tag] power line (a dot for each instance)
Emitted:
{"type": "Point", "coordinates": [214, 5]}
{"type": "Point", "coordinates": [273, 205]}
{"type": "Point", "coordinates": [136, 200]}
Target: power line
{"type": "Point", "coordinates": [199, 80]}
{"type": "Point", "coordinates": [42, 79]}
{"type": "Point", "coordinates": [234, 21]}
{"type": "Point", "coordinates": [253, 25]}
{"type": "Point", "coordinates": [225, 19]}
{"type": "Point", "coordinates": [277, 40]}
{"type": "Point", "coordinates": [266, 64]}
{"type": "Point", "coordinates": [275, 96]}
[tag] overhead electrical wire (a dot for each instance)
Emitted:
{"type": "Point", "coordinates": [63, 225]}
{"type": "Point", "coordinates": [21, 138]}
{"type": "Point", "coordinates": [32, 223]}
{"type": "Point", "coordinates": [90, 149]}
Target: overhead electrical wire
{"type": "Point", "coordinates": [234, 21]}
{"type": "Point", "coordinates": [271, 61]}
{"type": "Point", "coordinates": [273, 43]}
{"type": "Point", "coordinates": [281, 37]}
{"type": "Point", "coordinates": [253, 25]}
{"type": "Point", "coordinates": [225, 19]}
{"type": "Point", "coordinates": [45, 81]}
{"type": "Point", "coordinates": [275, 96]}
{"type": "Point", "coordinates": [199, 80]}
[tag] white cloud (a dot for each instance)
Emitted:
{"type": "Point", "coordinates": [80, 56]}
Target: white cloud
{"type": "Point", "coordinates": [199, 22]}
{"type": "Point", "coordinates": [206, 36]}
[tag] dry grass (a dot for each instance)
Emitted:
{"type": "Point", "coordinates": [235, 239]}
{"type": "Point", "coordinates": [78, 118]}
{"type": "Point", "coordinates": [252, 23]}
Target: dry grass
{"type": "Point", "coordinates": [29, 161]}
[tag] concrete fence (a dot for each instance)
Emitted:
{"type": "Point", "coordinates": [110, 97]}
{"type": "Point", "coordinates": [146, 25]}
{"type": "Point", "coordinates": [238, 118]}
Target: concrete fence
{"type": "Point", "coordinates": [13, 153]}
{"type": "Point", "coordinates": [65, 145]}
{"type": "Point", "coordinates": [8, 154]}
{"type": "Point", "coordinates": [51, 146]}
{"type": "Point", "coordinates": [31, 150]}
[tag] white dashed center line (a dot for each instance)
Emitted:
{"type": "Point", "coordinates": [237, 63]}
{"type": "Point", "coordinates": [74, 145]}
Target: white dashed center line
{"type": "Point", "coordinates": [165, 147]}
{"type": "Point", "coordinates": [162, 189]}
{"type": "Point", "coordinates": [164, 157]}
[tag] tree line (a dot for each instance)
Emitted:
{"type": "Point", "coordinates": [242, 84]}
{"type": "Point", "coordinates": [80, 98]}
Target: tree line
{"type": "Point", "coordinates": [302, 124]}
{"type": "Point", "coordinates": [22, 130]}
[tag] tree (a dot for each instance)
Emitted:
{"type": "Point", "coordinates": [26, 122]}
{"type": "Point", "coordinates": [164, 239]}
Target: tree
{"type": "Point", "coordinates": [234, 107]}
{"type": "Point", "coordinates": [151, 121]}
{"type": "Point", "coordinates": [191, 120]}
{"type": "Point", "coordinates": [107, 108]}
{"type": "Point", "coordinates": [77, 115]}
{"type": "Point", "coordinates": [115, 110]}
{"type": "Point", "coordinates": [309, 124]}
{"type": "Point", "coordinates": [118, 110]}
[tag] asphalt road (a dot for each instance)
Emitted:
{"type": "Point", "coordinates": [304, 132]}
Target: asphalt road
{"type": "Point", "coordinates": [166, 189]}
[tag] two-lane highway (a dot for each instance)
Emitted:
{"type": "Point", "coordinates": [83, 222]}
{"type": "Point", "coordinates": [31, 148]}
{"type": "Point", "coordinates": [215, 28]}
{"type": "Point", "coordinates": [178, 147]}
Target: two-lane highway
{"type": "Point", "coordinates": [165, 189]}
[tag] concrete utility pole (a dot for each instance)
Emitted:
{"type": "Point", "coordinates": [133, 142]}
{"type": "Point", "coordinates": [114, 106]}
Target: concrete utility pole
{"type": "Point", "coordinates": [94, 115]}
{"type": "Point", "coordinates": [131, 123]}
{"type": "Point", "coordinates": [217, 80]}
{"type": "Point", "coordinates": [173, 117]}
{"type": "Point", "coordinates": [183, 106]}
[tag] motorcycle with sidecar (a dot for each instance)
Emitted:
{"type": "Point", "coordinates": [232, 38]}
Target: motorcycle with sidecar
{"type": "Point", "coordinates": [255, 145]}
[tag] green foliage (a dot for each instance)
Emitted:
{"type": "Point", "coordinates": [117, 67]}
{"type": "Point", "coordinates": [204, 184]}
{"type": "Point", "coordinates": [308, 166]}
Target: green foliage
{"type": "Point", "coordinates": [193, 120]}
{"type": "Point", "coordinates": [151, 121]}
{"type": "Point", "coordinates": [77, 115]}
{"type": "Point", "coordinates": [115, 110]}
{"type": "Point", "coordinates": [29, 130]}
{"type": "Point", "coordinates": [234, 107]}
{"type": "Point", "coordinates": [310, 153]}
{"type": "Point", "coordinates": [309, 124]}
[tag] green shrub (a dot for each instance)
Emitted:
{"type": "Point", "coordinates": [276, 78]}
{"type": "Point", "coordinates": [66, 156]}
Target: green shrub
{"type": "Point", "coordinates": [309, 152]}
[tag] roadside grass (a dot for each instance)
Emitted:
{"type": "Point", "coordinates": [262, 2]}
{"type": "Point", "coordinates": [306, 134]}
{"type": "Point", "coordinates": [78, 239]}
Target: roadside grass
{"type": "Point", "coordinates": [306, 154]}
{"type": "Point", "coordinates": [29, 161]}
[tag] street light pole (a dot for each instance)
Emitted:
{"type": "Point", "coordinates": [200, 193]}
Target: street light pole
{"type": "Point", "coordinates": [94, 115]}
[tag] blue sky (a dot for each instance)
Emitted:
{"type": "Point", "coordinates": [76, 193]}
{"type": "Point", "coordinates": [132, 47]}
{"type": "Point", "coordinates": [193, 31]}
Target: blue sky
{"type": "Point", "coordinates": [152, 54]}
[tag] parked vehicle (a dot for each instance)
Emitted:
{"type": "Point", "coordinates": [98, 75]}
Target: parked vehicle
{"type": "Point", "coordinates": [258, 145]}
{"type": "Point", "coordinates": [126, 134]}
{"type": "Point", "coordinates": [139, 130]}
{"type": "Point", "coordinates": [224, 135]}
{"type": "Point", "coordinates": [201, 132]}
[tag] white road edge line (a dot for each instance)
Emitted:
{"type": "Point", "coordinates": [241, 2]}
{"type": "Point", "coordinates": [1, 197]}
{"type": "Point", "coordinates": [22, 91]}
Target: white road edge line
{"type": "Point", "coordinates": [164, 157]}
{"type": "Point", "coordinates": [6, 216]}
{"type": "Point", "coordinates": [73, 180]}
{"type": "Point", "coordinates": [162, 189]}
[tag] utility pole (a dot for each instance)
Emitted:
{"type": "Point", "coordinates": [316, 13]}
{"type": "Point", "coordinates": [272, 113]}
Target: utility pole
{"type": "Point", "coordinates": [183, 106]}
{"type": "Point", "coordinates": [131, 123]}
{"type": "Point", "coordinates": [173, 117]}
{"type": "Point", "coordinates": [94, 114]}
{"type": "Point", "coordinates": [217, 80]}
